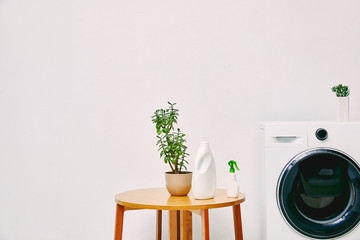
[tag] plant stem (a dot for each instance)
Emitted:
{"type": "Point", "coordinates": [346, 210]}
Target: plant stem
{"type": "Point", "coordinates": [176, 166]}
{"type": "Point", "coordinates": [172, 168]}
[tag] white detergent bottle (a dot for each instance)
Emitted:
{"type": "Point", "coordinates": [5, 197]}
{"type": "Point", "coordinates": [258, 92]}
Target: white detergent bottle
{"type": "Point", "coordinates": [204, 184]}
{"type": "Point", "coordinates": [232, 188]}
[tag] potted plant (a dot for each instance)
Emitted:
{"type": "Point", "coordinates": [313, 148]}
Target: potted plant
{"type": "Point", "coordinates": [342, 94]}
{"type": "Point", "coordinates": [173, 150]}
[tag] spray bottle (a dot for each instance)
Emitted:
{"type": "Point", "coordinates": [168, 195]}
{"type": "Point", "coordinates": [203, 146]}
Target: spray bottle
{"type": "Point", "coordinates": [232, 185]}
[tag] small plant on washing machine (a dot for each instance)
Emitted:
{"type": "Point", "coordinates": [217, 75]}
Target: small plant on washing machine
{"type": "Point", "coordinates": [341, 91]}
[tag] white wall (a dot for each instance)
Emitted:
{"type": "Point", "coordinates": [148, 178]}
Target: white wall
{"type": "Point", "coordinates": [80, 79]}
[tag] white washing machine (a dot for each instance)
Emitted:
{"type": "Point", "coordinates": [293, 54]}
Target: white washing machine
{"type": "Point", "coordinates": [312, 179]}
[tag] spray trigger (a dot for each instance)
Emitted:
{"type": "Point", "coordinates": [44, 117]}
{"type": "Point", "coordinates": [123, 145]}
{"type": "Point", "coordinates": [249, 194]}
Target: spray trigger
{"type": "Point", "coordinates": [231, 164]}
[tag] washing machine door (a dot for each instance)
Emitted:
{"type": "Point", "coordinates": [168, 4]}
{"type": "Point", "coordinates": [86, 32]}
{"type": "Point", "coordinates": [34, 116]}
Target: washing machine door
{"type": "Point", "coordinates": [318, 193]}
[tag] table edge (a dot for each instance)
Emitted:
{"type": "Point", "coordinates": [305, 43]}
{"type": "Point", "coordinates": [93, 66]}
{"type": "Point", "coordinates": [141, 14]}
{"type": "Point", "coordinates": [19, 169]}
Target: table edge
{"type": "Point", "coordinates": [238, 201]}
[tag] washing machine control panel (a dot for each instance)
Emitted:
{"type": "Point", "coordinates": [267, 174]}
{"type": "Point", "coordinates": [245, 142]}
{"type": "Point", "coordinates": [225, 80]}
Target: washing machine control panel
{"type": "Point", "coordinates": [321, 134]}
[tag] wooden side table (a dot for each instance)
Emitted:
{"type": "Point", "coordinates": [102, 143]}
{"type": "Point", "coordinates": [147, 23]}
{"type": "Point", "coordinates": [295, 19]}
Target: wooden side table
{"type": "Point", "coordinates": [180, 211]}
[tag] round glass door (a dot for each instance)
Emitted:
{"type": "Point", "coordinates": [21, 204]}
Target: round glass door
{"type": "Point", "coordinates": [318, 193]}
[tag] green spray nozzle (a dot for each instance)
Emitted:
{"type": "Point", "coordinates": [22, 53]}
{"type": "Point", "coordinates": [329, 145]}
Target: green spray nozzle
{"type": "Point", "coordinates": [231, 164]}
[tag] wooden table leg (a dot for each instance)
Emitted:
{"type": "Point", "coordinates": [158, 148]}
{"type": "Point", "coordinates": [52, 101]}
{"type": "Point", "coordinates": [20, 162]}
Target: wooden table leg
{"type": "Point", "coordinates": [237, 222]}
{"type": "Point", "coordinates": [158, 224]}
{"type": "Point", "coordinates": [174, 225]}
{"type": "Point", "coordinates": [205, 224]}
{"type": "Point", "coordinates": [119, 220]}
{"type": "Point", "coordinates": [185, 225]}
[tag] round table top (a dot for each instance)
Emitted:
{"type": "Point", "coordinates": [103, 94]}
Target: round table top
{"type": "Point", "coordinates": [159, 198]}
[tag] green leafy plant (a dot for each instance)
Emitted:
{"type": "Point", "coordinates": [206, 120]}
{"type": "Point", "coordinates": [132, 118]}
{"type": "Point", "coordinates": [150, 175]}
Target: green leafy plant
{"type": "Point", "coordinates": [170, 142]}
{"type": "Point", "coordinates": [341, 91]}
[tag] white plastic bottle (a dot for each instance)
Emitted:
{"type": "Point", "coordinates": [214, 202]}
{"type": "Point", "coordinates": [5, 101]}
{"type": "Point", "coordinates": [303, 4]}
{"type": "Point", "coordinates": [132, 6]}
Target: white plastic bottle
{"type": "Point", "coordinates": [232, 187]}
{"type": "Point", "coordinates": [204, 184]}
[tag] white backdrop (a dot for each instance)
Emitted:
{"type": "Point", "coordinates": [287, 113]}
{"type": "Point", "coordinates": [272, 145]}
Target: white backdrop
{"type": "Point", "coordinates": [80, 79]}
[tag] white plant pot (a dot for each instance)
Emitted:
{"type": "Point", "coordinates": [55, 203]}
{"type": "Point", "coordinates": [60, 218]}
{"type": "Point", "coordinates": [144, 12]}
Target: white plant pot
{"type": "Point", "coordinates": [342, 109]}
